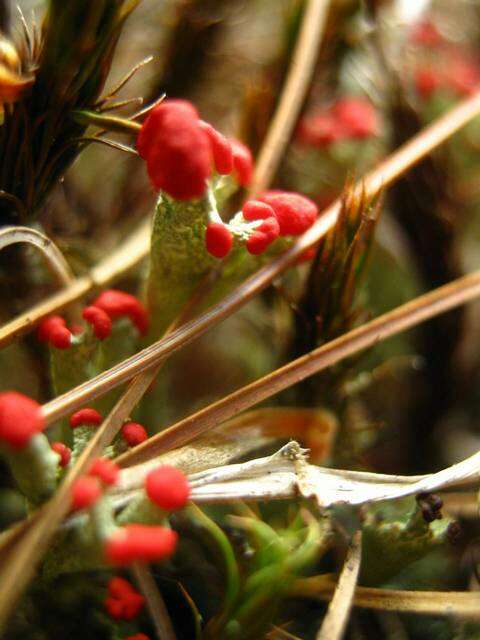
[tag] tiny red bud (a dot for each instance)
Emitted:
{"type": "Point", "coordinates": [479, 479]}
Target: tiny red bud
{"type": "Point", "coordinates": [140, 543]}
{"type": "Point", "coordinates": [85, 417]}
{"type": "Point", "coordinates": [100, 321]}
{"type": "Point", "coordinates": [218, 239]}
{"type": "Point", "coordinates": [256, 210]}
{"type": "Point", "coordinates": [242, 162]}
{"type": "Point", "coordinates": [221, 149]}
{"type": "Point", "coordinates": [20, 419]}
{"type": "Point", "coordinates": [263, 236]}
{"type": "Point", "coordinates": [168, 488]}
{"type": "Point", "coordinates": [85, 492]}
{"type": "Point", "coordinates": [105, 470]}
{"type": "Point", "coordinates": [138, 636]}
{"type": "Point", "coordinates": [63, 451]}
{"type": "Point", "coordinates": [319, 130]}
{"type": "Point", "coordinates": [124, 602]}
{"type": "Point", "coordinates": [426, 82]}
{"type": "Point", "coordinates": [118, 304]}
{"type": "Point", "coordinates": [54, 331]}
{"type": "Point", "coordinates": [134, 433]}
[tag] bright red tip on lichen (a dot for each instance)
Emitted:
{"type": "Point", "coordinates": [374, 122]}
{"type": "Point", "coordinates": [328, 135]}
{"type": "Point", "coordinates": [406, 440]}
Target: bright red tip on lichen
{"type": "Point", "coordinates": [63, 451]}
{"type": "Point", "coordinates": [85, 492]}
{"type": "Point", "coordinates": [137, 542]}
{"type": "Point", "coordinates": [118, 304]}
{"type": "Point", "coordinates": [85, 417]}
{"type": "Point", "coordinates": [319, 130]}
{"type": "Point", "coordinates": [426, 82]}
{"type": "Point", "coordinates": [176, 149]}
{"type": "Point", "coordinates": [124, 602]}
{"type": "Point", "coordinates": [218, 239]}
{"type": "Point", "coordinates": [220, 147]}
{"type": "Point", "coordinates": [20, 419]}
{"type": "Point", "coordinates": [138, 636]}
{"type": "Point", "coordinates": [119, 587]}
{"type": "Point", "coordinates": [242, 162]}
{"type": "Point", "coordinates": [54, 331]}
{"type": "Point", "coordinates": [357, 117]}
{"type": "Point", "coordinates": [256, 210]}
{"type": "Point", "coordinates": [426, 33]}
{"type": "Point", "coordinates": [263, 236]}
{"type": "Point", "coordinates": [134, 433]}
{"type": "Point", "coordinates": [168, 488]}
{"type": "Point", "coordinates": [105, 470]}
{"type": "Point", "coordinates": [295, 213]}
{"type": "Point", "coordinates": [100, 321]}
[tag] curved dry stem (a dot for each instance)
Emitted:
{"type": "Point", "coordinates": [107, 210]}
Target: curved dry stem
{"type": "Point", "coordinates": [384, 175]}
{"type": "Point", "coordinates": [127, 256]}
{"type": "Point", "coordinates": [56, 263]}
{"type": "Point", "coordinates": [155, 603]}
{"type": "Point", "coordinates": [293, 94]}
{"type": "Point", "coordinates": [400, 319]}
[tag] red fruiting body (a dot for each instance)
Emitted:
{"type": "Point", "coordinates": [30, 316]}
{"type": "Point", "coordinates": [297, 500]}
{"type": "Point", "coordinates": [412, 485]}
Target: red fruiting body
{"type": "Point", "coordinates": [85, 417]}
{"type": "Point", "coordinates": [218, 239]}
{"type": "Point", "coordinates": [426, 82]}
{"type": "Point", "coordinates": [20, 419]}
{"type": "Point", "coordinates": [85, 492]}
{"type": "Point", "coordinates": [124, 602]}
{"type": "Point", "coordinates": [138, 636]}
{"type": "Point", "coordinates": [105, 470]}
{"type": "Point", "coordinates": [426, 33]}
{"type": "Point", "coordinates": [147, 138]}
{"type": "Point", "coordinates": [126, 608]}
{"type": "Point", "coordinates": [319, 130]}
{"type": "Point", "coordinates": [176, 150]}
{"type": "Point", "coordinates": [140, 543]}
{"type": "Point", "coordinates": [134, 433]}
{"type": "Point", "coordinates": [307, 255]}
{"type": "Point", "coordinates": [63, 451]}
{"type": "Point", "coordinates": [54, 331]}
{"type": "Point", "coordinates": [462, 74]}
{"type": "Point", "coordinates": [119, 587]}
{"type": "Point", "coordinates": [357, 117]}
{"type": "Point", "coordinates": [242, 162]}
{"type": "Point", "coordinates": [256, 210]}
{"type": "Point", "coordinates": [295, 213]}
{"type": "Point", "coordinates": [168, 488]}
{"type": "Point", "coordinates": [263, 236]}
{"type": "Point", "coordinates": [118, 304]}
{"type": "Point", "coordinates": [100, 321]}
{"type": "Point", "coordinates": [220, 147]}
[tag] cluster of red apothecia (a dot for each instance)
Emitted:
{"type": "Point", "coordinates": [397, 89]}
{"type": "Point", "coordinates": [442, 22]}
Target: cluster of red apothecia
{"type": "Point", "coordinates": [349, 118]}
{"type": "Point", "coordinates": [21, 419]}
{"type": "Point", "coordinates": [109, 306]}
{"type": "Point", "coordinates": [182, 151]}
{"type": "Point", "coordinates": [446, 66]}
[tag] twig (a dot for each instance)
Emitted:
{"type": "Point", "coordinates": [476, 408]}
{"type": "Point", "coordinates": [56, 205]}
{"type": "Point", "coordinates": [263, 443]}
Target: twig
{"type": "Point", "coordinates": [404, 317]}
{"type": "Point", "coordinates": [293, 94]}
{"type": "Point", "coordinates": [375, 181]}
{"type": "Point", "coordinates": [336, 618]}
{"type": "Point", "coordinates": [155, 603]}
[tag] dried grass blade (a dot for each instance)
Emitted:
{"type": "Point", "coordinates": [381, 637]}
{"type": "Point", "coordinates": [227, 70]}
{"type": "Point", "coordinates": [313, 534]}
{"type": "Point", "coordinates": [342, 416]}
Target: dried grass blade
{"type": "Point", "coordinates": [336, 618]}
{"type": "Point", "coordinates": [293, 94]}
{"type": "Point", "coordinates": [155, 603]}
{"type": "Point", "coordinates": [443, 603]}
